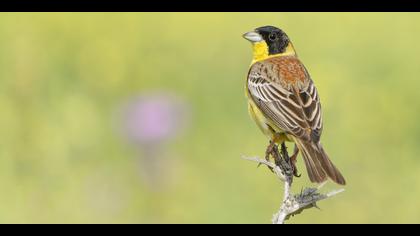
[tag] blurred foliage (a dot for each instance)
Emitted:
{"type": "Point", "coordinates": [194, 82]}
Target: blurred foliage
{"type": "Point", "coordinates": [63, 77]}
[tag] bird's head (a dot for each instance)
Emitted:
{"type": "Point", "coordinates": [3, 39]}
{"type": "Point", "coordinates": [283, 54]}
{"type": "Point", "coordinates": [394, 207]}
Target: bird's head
{"type": "Point", "coordinates": [269, 41]}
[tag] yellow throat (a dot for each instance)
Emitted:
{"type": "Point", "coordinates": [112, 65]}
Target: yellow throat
{"type": "Point", "coordinates": [260, 51]}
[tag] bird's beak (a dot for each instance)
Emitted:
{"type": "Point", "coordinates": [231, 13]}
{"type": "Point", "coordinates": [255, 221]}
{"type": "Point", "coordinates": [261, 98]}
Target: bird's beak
{"type": "Point", "coordinates": [253, 37]}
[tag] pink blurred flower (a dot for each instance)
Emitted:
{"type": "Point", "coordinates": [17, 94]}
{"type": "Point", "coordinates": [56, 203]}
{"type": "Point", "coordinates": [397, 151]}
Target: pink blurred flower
{"type": "Point", "coordinates": [154, 118]}
{"type": "Point", "coordinates": [150, 121]}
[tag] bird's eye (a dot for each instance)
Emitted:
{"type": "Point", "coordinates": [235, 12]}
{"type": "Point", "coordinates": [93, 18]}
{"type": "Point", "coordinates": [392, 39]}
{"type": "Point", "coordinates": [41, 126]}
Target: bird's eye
{"type": "Point", "coordinates": [272, 37]}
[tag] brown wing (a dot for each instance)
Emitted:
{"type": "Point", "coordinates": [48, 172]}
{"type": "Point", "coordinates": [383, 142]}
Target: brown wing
{"type": "Point", "coordinates": [284, 92]}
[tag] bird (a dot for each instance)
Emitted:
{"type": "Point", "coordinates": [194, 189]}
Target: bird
{"type": "Point", "coordinates": [284, 102]}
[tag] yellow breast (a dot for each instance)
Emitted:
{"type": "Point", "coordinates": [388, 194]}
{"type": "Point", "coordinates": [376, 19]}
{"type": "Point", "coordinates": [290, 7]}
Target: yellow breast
{"type": "Point", "coordinates": [259, 118]}
{"type": "Point", "coordinates": [267, 127]}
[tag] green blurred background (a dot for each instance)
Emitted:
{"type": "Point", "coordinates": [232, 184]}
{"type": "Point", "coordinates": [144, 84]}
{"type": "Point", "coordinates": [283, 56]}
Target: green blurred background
{"type": "Point", "coordinates": [65, 76]}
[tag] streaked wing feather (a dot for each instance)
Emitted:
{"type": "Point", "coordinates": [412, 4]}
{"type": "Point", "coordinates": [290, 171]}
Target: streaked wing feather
{"type": "Point", "coordinates": [295, 110]}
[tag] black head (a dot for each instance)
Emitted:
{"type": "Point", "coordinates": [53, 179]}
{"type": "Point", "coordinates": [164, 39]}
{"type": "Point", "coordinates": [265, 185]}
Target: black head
{"type": "Point", "coordinates": [277, 41]}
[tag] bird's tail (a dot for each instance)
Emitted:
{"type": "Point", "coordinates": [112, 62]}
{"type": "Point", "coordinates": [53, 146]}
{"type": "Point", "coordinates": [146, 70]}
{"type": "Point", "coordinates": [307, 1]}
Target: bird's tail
{"type": "Point", "coordinates": [318, 165]}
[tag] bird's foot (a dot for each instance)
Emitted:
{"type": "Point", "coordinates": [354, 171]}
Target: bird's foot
{"type": "Point", "coordinates": [271, 150]}
{"type": "Point", "coordinates": [284, 162]}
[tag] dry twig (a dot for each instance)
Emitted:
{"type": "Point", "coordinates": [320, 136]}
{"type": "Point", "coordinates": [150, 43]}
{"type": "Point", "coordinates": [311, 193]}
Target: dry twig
{"type": "Point", "coordinates": [291, 204]}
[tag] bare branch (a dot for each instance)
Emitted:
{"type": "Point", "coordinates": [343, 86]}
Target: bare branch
{"type": "Point", "coordinates": [275, 168]}
{"type": "Point", "coordinates": [291, 204]}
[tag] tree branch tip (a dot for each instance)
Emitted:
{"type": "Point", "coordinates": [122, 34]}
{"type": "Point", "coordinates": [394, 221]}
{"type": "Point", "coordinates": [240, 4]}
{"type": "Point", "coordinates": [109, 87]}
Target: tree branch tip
{"type": "Point", "coordinates": [335, 192]}
{"type": "Point", "coordinates": [322, 185]}
{"type": "Point", "coordinates": [259, 160]}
